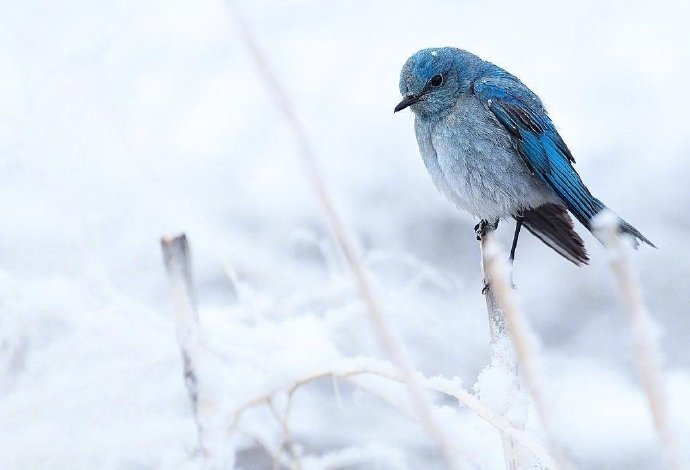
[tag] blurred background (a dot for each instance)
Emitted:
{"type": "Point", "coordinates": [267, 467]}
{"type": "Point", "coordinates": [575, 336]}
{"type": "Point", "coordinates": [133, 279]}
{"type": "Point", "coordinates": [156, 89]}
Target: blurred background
{"type": "Point", "coordinates": [121, 122]}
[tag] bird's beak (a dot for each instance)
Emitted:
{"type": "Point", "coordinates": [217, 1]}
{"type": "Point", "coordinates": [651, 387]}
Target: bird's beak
{"type": "Point", "coordinates": [407, 101]}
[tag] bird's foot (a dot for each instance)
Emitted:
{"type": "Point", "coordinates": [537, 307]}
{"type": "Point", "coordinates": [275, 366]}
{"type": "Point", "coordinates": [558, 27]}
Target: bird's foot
{"type": "Point", "coordinates": [486, 288]}
{"type": "Point", "coordinates": [479, 229]}
{"type": "Point", "coordinates": [483, 226]}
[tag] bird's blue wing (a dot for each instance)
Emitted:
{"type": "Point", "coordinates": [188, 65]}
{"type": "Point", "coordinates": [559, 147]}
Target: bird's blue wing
{"type": "Point", "coordinates": [537, 142]}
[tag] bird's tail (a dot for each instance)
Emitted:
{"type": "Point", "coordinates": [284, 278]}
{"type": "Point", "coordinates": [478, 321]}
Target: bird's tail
{"type": "Point", "coordinates": [551, 224]}
{"type": "Point", "coordinates": [595, 206]}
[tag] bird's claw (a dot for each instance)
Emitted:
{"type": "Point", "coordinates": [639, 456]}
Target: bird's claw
{"type": "Point", "coordinates": [481, 228]}
{"type": "Point", "coordinates": [486, 288]}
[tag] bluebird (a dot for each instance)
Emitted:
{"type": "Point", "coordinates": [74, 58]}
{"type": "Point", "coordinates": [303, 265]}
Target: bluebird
{"type": "Point", "coordinates": [492, 150]}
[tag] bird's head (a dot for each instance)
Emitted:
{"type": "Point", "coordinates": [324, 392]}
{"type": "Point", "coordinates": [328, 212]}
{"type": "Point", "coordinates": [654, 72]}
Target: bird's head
{"type": "Point", "coordinates": [432, 79]}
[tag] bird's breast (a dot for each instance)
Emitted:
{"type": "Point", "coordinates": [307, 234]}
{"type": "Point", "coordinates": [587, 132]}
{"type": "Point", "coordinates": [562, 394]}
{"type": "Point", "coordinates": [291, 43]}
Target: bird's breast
{"type": "Point", "coordinates": [471, 159]}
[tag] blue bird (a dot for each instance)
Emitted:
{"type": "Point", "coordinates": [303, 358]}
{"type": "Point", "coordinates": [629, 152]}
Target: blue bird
{"type": "Point", "coordinates": [493, 151]}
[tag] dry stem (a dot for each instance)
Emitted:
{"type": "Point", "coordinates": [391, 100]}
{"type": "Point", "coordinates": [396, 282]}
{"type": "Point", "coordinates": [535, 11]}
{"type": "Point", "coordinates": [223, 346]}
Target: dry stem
{"type": "Point", "coordinates": [178, 264]}
{"type": "Point", "coordinates": [522, 338]}
{"type": "Point", "coordinates": [645, 346]}
{"type": "Point", "coordinates": [501, 351]}
{"type": "Point", "coordinates": [388, 340]}
{"type": "Point", "coordinates": [353, 372]}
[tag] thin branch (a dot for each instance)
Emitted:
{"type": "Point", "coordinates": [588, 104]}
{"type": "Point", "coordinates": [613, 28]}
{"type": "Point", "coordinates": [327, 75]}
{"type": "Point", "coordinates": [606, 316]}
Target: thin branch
{"type": "Point", "coordinates": [502, 353]}
{"type": "Point", "coordinates": [522, 338]}
{"type": "Point", "coordinates": [451, 388]}
{"type": "Point", "coordinates": [177, 261]}
{"type": "Point", "coordinates": [286, 440]}
{"type": "Point", "coordinates": [645, 345]}
{"type": "Point", "coordinates": [388, 340]}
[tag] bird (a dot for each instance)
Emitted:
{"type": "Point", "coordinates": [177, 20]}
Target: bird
{"type": "Point", "coordinates": [493, 151]}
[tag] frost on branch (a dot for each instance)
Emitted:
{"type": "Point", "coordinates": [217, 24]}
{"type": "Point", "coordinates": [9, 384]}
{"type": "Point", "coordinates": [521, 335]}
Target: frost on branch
{"type": "Point", "coordinates": [644, 333]}
{"type": "Point", "coordinates": [513, 343]}
{"type": "Point", "coordinates": [198, 380]}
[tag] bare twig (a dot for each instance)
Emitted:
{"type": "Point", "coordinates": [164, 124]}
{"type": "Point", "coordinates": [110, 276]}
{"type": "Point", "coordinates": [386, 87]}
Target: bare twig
{"type": "Point", "coordinates": [645, 345]}
{"type": "Point", "coordinates": [286, 441]}
{"type": "Point", "coordinates": [178, 264]}
{"type": "Point", "coordinates": [360, 369]}
{"type": "Point", "coordinates": [497, 274]}
{"type": "Point", "coordinates": [388, 340]}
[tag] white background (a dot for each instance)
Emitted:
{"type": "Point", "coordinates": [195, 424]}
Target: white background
{"type": "Point", "coordinates": [124, 121]}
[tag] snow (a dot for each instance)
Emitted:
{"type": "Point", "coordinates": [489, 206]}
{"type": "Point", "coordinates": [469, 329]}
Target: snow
{"type": "Point", "coordinates": [495, 388]}
{"type": "Point", "coordinates": [121, 122]}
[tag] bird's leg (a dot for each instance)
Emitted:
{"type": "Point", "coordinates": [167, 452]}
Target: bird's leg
{"type": "Point", "coordinates": [518, 226]}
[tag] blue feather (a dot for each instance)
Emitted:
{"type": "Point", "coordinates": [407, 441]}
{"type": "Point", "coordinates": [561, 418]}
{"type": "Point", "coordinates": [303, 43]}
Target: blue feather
{"type": "Point", "coordinates": [539, 144]}
{"type": "Point", "coordinates": [492, 149]}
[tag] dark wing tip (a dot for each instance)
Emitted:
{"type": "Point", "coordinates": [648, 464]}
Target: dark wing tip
{"type": "Point", "coordinates": [552, 225]}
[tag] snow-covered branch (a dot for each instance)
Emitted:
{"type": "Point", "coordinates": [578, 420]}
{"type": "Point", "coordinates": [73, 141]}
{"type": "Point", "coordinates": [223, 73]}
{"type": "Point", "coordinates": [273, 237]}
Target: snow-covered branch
{"type": "Point", "coordinates": [177, 259]}
{"type": "Point", "coordinates": [503, 361]}
{"type": "Point", "coordinates": [643, 334]}
{"type": "Point", "coordinates": [357, 370]}
{"type": "Point", "coordinates": [512, 337]}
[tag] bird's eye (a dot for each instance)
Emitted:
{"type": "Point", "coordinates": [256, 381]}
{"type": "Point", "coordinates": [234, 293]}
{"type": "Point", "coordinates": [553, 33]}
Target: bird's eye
{"type": "Point", "coordinates": [437, 80]}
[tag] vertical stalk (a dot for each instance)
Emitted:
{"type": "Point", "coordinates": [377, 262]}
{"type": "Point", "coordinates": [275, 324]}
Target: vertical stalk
{"type": "Point", "coordinates": [502, 354]}
{"type": "Point", "coordinates": [177, 261]}
{"type": "Point", "coordinates": [645, 346]}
